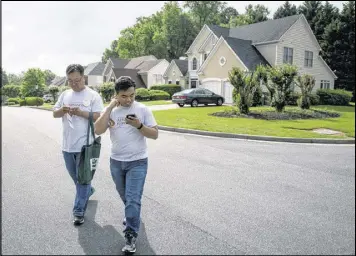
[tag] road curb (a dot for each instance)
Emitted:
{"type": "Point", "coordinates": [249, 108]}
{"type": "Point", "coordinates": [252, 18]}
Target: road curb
{"type": "Point", "coordinates": [258, 138]}
{"type": "Point", "coordinates": [248, 137]}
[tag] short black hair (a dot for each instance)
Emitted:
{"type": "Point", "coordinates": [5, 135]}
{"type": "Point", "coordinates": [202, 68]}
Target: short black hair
{"type": "Point", "coordinates": [75, 68]}
{"type": "Point", "coordinates": [123, 83]}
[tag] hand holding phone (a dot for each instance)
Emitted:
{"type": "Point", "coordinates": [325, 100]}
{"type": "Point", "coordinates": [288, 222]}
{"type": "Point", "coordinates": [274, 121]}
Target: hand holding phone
{"type": "Point", "coordinates": [131, 116]}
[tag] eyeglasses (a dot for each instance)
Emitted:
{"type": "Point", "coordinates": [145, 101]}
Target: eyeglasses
{"type": "Point", "coordinates": [75, 81]}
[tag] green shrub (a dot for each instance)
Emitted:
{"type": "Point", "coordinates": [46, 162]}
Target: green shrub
{"type": "Point", "coordinates": [314, 99]}
{"type": "Point", "coordinates": [142, 94]}
{"type": "Point", "coordinates": [266, 100]}
{"type": "Point", "coordinates": [169, 88]}
{"type": "Point", "coordinates": [159, 95]}
{"type": "Point", "coordinates": [22, 102]}
{"type": "Point", "coordinates": [292, 99]}
{"type": "Point", "coordinates": [10, 103]}
{"type": "Point", "coordinates": [33, 101]}
{"type": "Point", "coordinates": [14, 100]}
{"type": "Point", "coordinates": [334, 97]}
{"type": "Point", "coordinates": [257, 97]}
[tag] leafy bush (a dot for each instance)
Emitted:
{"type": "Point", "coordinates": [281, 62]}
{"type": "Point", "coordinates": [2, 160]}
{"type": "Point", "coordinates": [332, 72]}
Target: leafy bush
{"type": "Point", "coordinates": [107, 91]}
{"type": "Point", "coordinates": [169, 88]}
{"type": "Point", "coordinates": [292, 98]}
{"type": "Point", "coordinates": [142, 94]}
{"type": "Point", "coordinates": [245, 85]}
{"type": "Point", "coordinates": [159, 95]}
{"type": "Point", "coordinates": [22, 102]}
{"type": "Point", "coordinates": [257, 97]}
{"type": "Point", "coordinates": [314, 99]}
{"type": "Point", "coordinates": [334, 97]}
{"type": "Point", "coordinates": [33, 101]}
{"type": "Point", "coordinates": [14, 100]}
{"type": "Point", "coordinates": [11, 91]}
{"type": "Point", "coordinates": [10, 103]}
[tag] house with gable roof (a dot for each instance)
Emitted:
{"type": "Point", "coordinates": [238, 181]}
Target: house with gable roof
{"type": "Point", "coordinates": [216, 50]}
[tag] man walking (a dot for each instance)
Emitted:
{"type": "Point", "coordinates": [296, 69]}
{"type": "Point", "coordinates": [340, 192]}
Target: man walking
{"type": "Point", "coordinates": [130, 123]}
{"type": "Point", "coordinates": [73, 106]}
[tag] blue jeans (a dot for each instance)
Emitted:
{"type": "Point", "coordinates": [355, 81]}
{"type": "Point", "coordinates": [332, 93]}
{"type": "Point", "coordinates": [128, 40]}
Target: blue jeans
{"type": "Point", "coordinates": [129, 178]}
{"type": "Point", "coordinates": [83, 191]}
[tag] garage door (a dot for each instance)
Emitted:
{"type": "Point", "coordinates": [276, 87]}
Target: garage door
{"type": "Point", "coordinates": [214, 86]}
{"type": "Point", "coordinates": [228, 93]}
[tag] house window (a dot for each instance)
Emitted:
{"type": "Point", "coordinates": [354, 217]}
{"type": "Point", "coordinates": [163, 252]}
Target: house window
{"type": "Point", "coordinates": [193, 83]}
{"type": "Point", "coordinates": [195, 64]}
{"type": "Point", "coordinates": [158, 78]}
{"type": "Point", "coordinates": [169, 81]}
{"type": "Point", "coordinates": [205, 56]}
{"type": "Point", "coordinates": [308, 59]}
{"type": "Point", "coordinates": [222, 61]}
{"type": "Point", "coordinates": [177, 82]}
{"type": "Point", "coordinates": [324, 84]}
{"type": "Point", "coordinates": [288, 55]}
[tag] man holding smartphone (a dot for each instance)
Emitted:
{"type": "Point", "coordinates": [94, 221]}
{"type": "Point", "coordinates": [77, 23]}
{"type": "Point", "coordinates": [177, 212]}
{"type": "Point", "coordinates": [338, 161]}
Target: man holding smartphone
{"type": "Point", "coordinates": [73, 106]}
{"type": "Point", "coordinates": [130, 123]}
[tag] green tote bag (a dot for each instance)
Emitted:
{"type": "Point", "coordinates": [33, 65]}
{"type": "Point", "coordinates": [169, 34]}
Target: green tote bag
{"type": "Point", "coordinates": [89, 155]}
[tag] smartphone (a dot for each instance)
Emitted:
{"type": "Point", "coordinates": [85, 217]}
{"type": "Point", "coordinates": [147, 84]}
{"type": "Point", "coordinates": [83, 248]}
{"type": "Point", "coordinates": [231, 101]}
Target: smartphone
{"type": "Point", "coordinates": [130, 116]}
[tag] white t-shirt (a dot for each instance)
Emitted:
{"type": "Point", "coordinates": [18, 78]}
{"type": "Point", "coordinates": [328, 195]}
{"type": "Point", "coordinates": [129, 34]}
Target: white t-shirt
{"type": "Point", "coordinates": [75, 127]}
{"type": "Point", "coordinates": [127, 142]}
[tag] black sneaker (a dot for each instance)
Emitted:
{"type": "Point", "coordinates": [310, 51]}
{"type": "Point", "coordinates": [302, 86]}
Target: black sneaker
{"type": "Point", "coordinates": [124, 222]}
{"type": "Point", "coordinates": [78, 220]}
{"type": "Point", "coordinates": [130, 243]}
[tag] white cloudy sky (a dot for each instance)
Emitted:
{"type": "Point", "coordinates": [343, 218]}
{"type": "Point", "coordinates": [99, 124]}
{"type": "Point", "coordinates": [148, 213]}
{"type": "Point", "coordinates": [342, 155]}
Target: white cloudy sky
{"type": "Point", "coordinates": [51, 35]}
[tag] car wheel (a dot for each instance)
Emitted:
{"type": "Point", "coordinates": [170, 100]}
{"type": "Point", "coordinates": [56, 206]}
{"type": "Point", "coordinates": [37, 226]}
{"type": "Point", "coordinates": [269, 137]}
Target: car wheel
{"type": "Point", "coordinates": [181, 104]}
{"type": "Point", "coordinates": [194, 103]}
{"type": "Point", "coordinates": [219, 102]}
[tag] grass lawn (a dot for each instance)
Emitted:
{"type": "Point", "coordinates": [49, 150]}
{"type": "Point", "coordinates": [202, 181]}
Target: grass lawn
{"type": "Point", "coordinates": [151, 103]}
{"type": "Point", "coordinates": [198, 119]}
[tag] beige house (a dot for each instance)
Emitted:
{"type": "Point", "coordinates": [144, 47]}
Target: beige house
{"type": "Point", "coordinates": [216, 50]}
{"type": "Point", "coordinates": [176, 73]}
{"type": "Point", "coordinates": [149, 69]}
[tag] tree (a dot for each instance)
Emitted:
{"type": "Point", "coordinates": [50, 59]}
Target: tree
{"type": "Point", "coordinates": [311, 10]}
{"type": "Point", "coordinates": [282, 78]}
{"type": "Point", "coordinates": [15, 79]}
{"type": "Point", "coordinates": [10, 90]}
{"type": "Point", "coordinates": [4, 78]}
{"type": "Point", "coordinates": [253, 14]}
{"type": "Point", "coordinates": [54, 90]}
{"type": "Point", "coordinates": [49, 76]}
{"type": "Point", "coordinates": [338, 43]}
{"type": "Point", "coordinates": [33, 83]}
{"type": "Point", "coordinates": [325, 16]}
{"type": "Point", "coordinates": [287, 9]}
{"type": "Point", "coordinates": [245, 86]}
{"type": "Point", "coordinates": [178, 30]}
{"type": "Point", "coordinates": [111, 52]}
{"type": "Point", "coordinates": [306, 84]}
{"type": "Point", "coordinates": [227, 14]}
{"type": "Point", "coordinates": [257, 13]}
{"type": "Point", "coordinates": [205, 12]}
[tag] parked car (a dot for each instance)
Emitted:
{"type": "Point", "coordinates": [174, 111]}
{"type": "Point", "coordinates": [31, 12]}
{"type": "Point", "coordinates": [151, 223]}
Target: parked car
{"type": "Point", "coordinates": [47, 98]}
{"type": "Point", "coordinates": [197, 96]}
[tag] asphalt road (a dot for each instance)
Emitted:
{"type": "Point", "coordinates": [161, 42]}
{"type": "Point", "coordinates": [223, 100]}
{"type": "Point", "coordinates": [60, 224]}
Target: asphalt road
{"type": "Point", "coordinates": [202, 196]}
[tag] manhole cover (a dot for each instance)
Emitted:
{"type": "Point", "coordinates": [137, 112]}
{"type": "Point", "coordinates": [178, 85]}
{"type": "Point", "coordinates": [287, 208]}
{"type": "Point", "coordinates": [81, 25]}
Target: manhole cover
{"type": "Point", "coordinates": [326, 131]}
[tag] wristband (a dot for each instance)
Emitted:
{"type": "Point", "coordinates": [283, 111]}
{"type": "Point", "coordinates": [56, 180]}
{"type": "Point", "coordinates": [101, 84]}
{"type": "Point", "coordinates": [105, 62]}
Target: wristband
{"type": "Point", "coordinates": [140, 126]}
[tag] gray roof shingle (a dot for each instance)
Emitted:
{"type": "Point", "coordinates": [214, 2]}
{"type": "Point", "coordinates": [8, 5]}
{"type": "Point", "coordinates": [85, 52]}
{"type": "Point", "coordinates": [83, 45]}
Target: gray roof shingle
{"type": "Point", "coordinates": [133, 73]}
{"type": "Point", "coordinates": [119, 63]}
{"type": "Point", "coordinates": [182, 65]}
{"type": "Point", "coordinates": [265, 31]}
{"type": "Point", "coordinates": [135, 62]}
{"type": "Point", "coordinates": [147, 65]}
{"type": "Point", "coordinates": [97, 70]}
{"type": "Point", "coordinates": [249, 55]}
